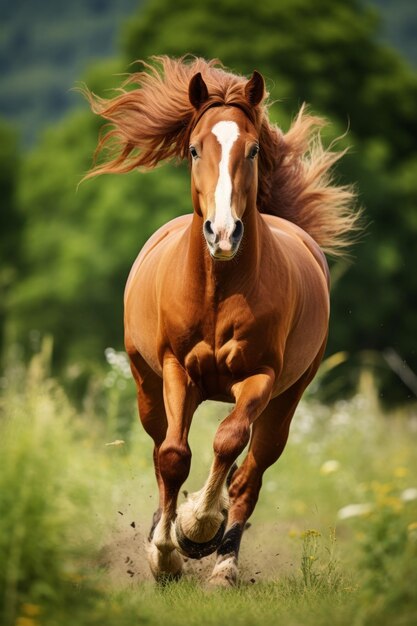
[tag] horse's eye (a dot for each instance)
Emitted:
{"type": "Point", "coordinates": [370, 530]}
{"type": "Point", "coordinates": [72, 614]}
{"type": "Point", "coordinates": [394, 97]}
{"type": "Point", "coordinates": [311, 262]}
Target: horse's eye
{"type": "Point", "coordinates": [193, 152]}
{"type": "Point", "coordinates": [254, 151]}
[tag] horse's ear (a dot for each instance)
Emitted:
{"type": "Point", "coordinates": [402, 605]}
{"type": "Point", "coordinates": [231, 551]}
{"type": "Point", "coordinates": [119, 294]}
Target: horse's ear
{"type": "Point", "coordinates": [197, 91]}
{"type": "Point", "coordinates": [255, 89]}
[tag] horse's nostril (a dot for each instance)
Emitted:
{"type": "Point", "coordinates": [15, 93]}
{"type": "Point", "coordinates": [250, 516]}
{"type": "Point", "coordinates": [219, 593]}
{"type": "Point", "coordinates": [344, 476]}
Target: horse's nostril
{"type": "Point", "coordinates": [238, 231]}
{"type": "Point", "coordinates": [208, 231]}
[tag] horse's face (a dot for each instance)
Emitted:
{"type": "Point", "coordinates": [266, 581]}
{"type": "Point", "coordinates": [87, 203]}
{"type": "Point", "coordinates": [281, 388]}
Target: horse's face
{"type": "Point", "coordinates": [223, 149]}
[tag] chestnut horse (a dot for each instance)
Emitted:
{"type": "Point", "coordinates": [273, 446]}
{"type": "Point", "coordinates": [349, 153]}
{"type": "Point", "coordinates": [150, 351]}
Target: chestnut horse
{"type": "Point", "coordinates": [228, 303]}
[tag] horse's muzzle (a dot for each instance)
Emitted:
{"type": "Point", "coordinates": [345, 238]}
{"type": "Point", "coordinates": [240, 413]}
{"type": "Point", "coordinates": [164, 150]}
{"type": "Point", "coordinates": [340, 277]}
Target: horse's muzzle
{"type": "Point", "coordinates": [223, 244]}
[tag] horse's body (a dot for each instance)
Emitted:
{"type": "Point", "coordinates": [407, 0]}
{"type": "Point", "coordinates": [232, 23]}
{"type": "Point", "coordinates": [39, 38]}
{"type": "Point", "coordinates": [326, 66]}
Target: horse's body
{"type": "Point", "coordinates": [227, 303]}
{"type": "Point", "coordinates": [223, 325]}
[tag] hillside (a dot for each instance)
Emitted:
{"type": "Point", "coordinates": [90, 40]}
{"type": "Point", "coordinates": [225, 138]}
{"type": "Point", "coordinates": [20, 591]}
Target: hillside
{"type": "Point", "coordinates": [45, 46]}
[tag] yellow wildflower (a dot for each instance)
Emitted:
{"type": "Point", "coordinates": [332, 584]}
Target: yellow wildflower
{"type": "Point", "coordinates": [400, 472]}
{"type": "Point", "coordinates": [31, 609]}
{"type": "Point", "coordinates": [311, 532]}
{"type": "Point", "coordinates": [381, 489]}
{"type": "Point", "coordinates": [26, 621]}
{"type": "Point", "coordinates": [412, 531]}
{"type": "Point", "coordinates": [390, 502]}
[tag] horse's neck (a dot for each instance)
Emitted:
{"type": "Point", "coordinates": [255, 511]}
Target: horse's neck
{"type": "Point", "coordinates": [225, 276]}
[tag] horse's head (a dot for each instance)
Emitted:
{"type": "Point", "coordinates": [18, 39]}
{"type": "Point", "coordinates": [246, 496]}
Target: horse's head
{"type": "Point", "coordinates": [224, 146]}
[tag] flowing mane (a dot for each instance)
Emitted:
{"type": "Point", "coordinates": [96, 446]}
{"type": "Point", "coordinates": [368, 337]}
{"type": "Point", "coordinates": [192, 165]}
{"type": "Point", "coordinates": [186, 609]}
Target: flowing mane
{"type": "Point", "coordinates": [151, 120]}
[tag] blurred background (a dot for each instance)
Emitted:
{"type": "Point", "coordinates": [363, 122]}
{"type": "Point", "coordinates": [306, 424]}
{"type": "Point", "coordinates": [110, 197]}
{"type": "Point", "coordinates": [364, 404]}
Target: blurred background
{"type": "Point", "coordinates": [65, 253]}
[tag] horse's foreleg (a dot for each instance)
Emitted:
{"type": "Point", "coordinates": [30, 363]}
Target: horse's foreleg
{"type": "Point", "coordinates": [154, 420]}
{"type": "Point", "coordinates": [269, 436]}
{"type": "Point", "coordinates": [173, 458]}
{"type": "Point", "coordinates": [201, 519]}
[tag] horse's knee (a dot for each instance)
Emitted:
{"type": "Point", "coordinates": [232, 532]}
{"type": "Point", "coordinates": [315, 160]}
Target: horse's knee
{"type": "Point", "coordinates": [174, 462]}
{"type": "Point", "coordinates": [231, 438]}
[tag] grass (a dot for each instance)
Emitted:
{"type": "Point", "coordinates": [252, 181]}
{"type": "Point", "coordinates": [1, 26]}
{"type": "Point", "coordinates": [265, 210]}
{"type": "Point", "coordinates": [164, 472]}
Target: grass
{"type": "Point", "coordinates": [334, 535]}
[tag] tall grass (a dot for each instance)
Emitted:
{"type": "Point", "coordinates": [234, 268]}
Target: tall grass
{"type": "Point", "coordinates": [334, 535]}
{"type": "Point", "coordinates": [46, 492]}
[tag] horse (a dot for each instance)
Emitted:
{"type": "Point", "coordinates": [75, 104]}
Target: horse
{"type": "Point", "coordinates": [229, 302]}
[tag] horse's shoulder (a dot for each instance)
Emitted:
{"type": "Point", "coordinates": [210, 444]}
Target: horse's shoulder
{"type": "Point", "coordinates": [281, 227]}
{"type": "Point", "coordinates": [175, 226]}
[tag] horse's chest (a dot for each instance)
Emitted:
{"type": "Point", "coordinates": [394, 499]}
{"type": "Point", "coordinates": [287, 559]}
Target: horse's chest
{"type": "Point", "coordinates": [215, 369]}
{"type": "Point", "coordinates": [221, 352]}
{"type": "Point", "coordinates": [231, 357]}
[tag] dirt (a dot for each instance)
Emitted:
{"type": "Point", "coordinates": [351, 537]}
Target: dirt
{"type": "Point", "coordinates": [267, 553]}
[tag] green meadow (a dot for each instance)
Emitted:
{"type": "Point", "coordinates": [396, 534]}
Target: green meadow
{"type": "Point", "coordinates": [333, 539]}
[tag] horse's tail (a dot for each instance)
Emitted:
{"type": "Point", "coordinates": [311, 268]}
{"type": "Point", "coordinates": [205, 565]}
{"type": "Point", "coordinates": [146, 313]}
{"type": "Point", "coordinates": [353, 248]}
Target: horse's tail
{"type": "Point", "coordinates": [296, 183]}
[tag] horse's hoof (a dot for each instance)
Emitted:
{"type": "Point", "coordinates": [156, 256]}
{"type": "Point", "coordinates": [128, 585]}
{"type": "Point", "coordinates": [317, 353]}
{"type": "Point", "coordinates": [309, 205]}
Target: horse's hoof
{"type": "Point", "coordinates": [194, 549]}
{"type": "Point", "coordinates": [165, 566]}
{"type": "Point", "coordinates": [225, 573]}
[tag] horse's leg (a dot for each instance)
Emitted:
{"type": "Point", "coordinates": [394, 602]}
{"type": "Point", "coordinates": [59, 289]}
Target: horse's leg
{"type": "Point", "coordinates": [269, 436]}
{"type": "Point", "coordinates": [172, 462]}
{"type": "Point", "coordinates": [201, 519]}
{"type": "Point", "coordinates": [153, 417]}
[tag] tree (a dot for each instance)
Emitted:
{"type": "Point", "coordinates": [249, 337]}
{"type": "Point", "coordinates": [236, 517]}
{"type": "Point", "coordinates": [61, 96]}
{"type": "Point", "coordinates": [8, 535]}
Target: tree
{"type": "Point", "coordinates": [10, 220]}
{"type": "Point", "coordinates": [79, 244]}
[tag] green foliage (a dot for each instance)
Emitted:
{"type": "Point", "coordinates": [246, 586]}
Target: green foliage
{"type": "Point", "coordinates": [399, 25]}
{"type": "Point", "coordinates": [388, 550]}
{"type": "Point", "coordinates": [315, 573]}
{"type": "Point", "coordinates": [41, 494]}
{"type": "Point", "coordinates": [79, 243]}
{"type": "Point", "coordinates": [10, 220]}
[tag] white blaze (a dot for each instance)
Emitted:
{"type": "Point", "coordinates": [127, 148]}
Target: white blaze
{"type": "Point", "coordinates": [226, 134]}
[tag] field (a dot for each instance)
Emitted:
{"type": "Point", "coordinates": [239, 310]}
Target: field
{"type": "Point", "coordinates": [333, 539]}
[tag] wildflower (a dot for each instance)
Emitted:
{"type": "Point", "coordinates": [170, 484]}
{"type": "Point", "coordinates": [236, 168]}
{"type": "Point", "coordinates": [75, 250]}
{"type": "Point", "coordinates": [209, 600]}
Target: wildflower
{"type": "Point", "coordinates": [391, 502]}
{"type": "Point", "coordinates": [310, 532]}
{"type": "Point", "coordinates": [412, 531]}
{"type": "Point", "coordinates": [31, 609]}
{"type": "Point", "coordinates": [329, 467]}
{"type": "Point", "coordinates": [25, 621]}
{"type": "Point", "coordinates": [408, 495]}
{"type": "Point", "coordinates": [355, 510]}
{"type": "Point", "coordinates": [299, 506]}
{"type": "Point", "coordinates": [381, 490]}
{"type": "Point", "coordinates": [118, 361]}
{"type": "Point", "coordinates": [400, 472]}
